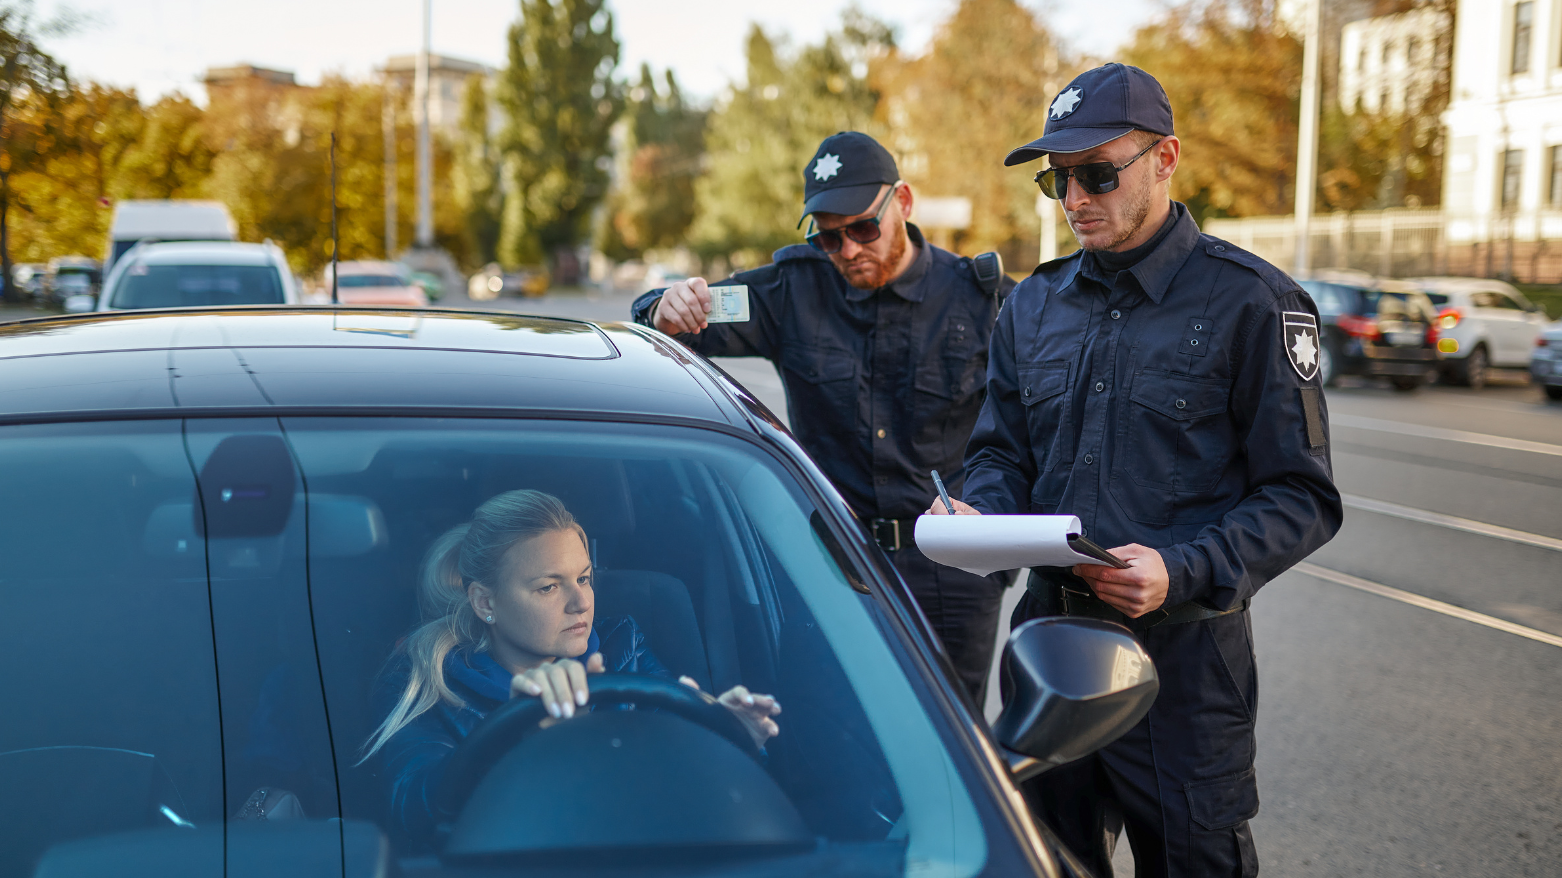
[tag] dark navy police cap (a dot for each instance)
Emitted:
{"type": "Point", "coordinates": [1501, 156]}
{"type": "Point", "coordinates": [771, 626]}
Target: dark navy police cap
{"type": "Point", "coordinates": [845, 175]}
{"type": "Point", "coordinates": [1100, 105]}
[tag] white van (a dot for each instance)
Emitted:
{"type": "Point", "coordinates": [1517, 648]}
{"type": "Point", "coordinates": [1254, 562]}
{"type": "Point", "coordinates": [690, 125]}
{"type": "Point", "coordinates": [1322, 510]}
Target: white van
{"type": "Point", "coordinates": [136, 221]}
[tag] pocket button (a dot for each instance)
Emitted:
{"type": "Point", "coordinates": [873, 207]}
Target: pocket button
{"type": "Point", "coordinates": [1182, 403]}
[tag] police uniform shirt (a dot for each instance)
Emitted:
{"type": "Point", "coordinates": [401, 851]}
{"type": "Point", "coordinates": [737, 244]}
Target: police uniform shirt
{"type": "Point", "coordinates": [1174, 404]}
{"type": "Point", "coordinates": [881, 385]}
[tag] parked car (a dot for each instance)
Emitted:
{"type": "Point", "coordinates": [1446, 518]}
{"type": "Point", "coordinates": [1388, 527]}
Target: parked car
{"type": "Point", "coordinates": [235, 504]}
{"type": "Point", "coordinates": [166, 220]}
{"type": "Point", "coordinates": [1545, 361]}
{"type": "Point", "coordinates": [27, 279]}
{"type": "Point", "coordinates": [1374, 327]}
{"type": "Point", "coordinates": [492, 281]}
{"type": "Point", "coordinates": [432, 285]}
{"type": "Point", "coordinates": [68, 276]}
{"type": "Point", "coordinates": [1491, 323]}
{"type": "Point", "coordinates": [195, 274]}
{"type": "Point", "coordinates": [371, 282]}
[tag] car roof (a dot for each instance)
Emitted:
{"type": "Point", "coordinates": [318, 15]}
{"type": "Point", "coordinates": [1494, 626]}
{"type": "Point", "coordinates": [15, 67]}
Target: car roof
{"type": "Point", "coordinates": [279, 360]}
{"type": "Point", "coordinates": [1461, 284]}
{"type": "Point", "coordinates": [368, 266]}
{"type": "Point", "coordinates": [204, 253]}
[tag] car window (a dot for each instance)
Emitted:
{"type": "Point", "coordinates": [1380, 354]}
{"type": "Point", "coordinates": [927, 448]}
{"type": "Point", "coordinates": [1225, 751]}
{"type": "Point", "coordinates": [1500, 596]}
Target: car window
{"type": "Point", "coordinates": [175, 286]}
{"type": "Point", "coordinates": [1438, 299]}
{"type": "Point", "coordinates": [369, 280]}
{"type": "Point", "coordinates": [719, 561]}
{"type": "Point", "coordinates": [111, 719]}
{"type": "Point", "coordinates": [1505, 301]}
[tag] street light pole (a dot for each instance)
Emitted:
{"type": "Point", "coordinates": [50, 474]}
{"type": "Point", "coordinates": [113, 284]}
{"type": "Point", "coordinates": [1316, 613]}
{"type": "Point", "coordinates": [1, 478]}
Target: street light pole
{"type": "Point", "coordinates": [1307, 137]}
{"type": "Point", "coordinates": [425, 235]}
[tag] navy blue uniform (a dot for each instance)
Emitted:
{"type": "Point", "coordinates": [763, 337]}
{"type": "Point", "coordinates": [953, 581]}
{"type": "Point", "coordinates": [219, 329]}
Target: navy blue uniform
{"type": "Point", "coordinates": [1175, 405]}
{"type": "Point", "coordinates": [882, 386]}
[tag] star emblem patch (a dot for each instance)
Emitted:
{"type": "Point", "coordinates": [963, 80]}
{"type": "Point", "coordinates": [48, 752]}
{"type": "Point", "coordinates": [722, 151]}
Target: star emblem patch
{"type": "Point", "coordinates": [827, 166]}
{"type": "Point", "coordinates": [1299, 337]}
{"type": "Point", "coordinates": [1066, 102]}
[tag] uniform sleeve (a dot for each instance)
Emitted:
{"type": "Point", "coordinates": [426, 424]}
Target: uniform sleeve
{"type": "Point", "coordinates": [758, 337]}
{"type": "Point", "coordinates": [999, 467]}
{"type": "Point", "coordinates": [1292, 506]}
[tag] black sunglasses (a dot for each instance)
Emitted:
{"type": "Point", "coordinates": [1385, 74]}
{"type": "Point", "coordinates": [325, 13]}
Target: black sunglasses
{"type": "Point", "coordinates": [1095, 177]}
{"type": "Point", "coordinates": [863, 231]}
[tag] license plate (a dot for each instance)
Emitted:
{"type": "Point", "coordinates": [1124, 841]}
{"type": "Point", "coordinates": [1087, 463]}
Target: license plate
{"type": "Point", "coordinates": [1404, 338]}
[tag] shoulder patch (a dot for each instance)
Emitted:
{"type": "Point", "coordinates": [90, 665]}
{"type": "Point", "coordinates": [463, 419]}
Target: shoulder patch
{"type": "Point", "coordinates": [1299, 337]}
{"type": "Point", "coordinates": [793, 252]}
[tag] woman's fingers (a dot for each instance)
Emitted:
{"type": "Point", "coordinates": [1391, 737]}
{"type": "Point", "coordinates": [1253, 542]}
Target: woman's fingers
{"type": "Point", "coordinates": [594, 663]}
{"type": "Point", "coordinates": [690, 682]}
{"type": "Point", "coordinates": [562, 704]}
{"type": "Point", "coordinates": [523, 684]}
{"type": "Point", "coordinates": [577, 680]}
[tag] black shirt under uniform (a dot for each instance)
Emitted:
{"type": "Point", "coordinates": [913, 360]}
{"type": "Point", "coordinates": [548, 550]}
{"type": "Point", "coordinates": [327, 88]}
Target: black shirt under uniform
{"type": "Point", "coordinates": [1170, 403]}
{"type": "Point", "coordinates": [882, 386]}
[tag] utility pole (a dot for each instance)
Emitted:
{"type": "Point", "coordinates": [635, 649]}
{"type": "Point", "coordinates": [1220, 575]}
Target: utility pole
{"type": "Point", "coordinates": [1307, 137]}
{"type": "Point", "coordinates": [425, 236]}
{"type": "Point", "coordinates": [388, 124]}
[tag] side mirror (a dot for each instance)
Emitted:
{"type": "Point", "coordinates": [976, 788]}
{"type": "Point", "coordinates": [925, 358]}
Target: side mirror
{"type": "Point", "coordinates": [1075, 685]}
{"type": "Point", "coordinates": [80, 304]}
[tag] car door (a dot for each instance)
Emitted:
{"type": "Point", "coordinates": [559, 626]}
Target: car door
{"type": "Point", "coordinates": [1509, 328]}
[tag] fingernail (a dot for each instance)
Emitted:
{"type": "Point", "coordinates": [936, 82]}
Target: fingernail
{"type": "Point", "coordinates": [569, 710]}
{"type": "Point", "coordinates": [554, 709]}
{"type": "Point", "coordinates": [580, 698]}
{"type": "Point", "coordinates": [748, 699]}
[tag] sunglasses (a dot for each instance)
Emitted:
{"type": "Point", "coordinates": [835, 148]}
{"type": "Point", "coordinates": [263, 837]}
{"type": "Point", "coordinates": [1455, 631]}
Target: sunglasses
{"type": "Point", "coordinates": [1095, 177]}
{"type": "Point", "coordinates": [863, 231]}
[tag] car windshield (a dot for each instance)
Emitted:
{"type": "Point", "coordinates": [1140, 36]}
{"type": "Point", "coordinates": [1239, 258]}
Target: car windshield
{"type": "Point", "coordinates": [256, 600]}
{"type": "Point", "coordinates": [1438, 299]}
{"type": "Point", "coordinates": [369, 280]}
{"type": "Point", "coordinates": [176, 286]}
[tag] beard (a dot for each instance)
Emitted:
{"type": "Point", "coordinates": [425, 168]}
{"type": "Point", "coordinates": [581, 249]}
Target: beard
{"type": "Point", "coordinates": [1134, 210]}
{"type": "Point", "coordinates": [868, 272]}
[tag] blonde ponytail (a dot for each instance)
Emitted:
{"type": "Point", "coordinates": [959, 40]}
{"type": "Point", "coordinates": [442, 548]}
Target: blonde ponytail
{"type": "Point", "coordinates": [465, 554]}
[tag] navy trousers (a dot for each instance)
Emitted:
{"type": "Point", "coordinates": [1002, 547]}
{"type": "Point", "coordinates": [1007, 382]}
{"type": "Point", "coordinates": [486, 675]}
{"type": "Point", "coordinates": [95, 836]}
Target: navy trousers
{"type": "Point", "coordinates": [963, 609]}
{"type": "Point", "coordinates": [1181, 782]}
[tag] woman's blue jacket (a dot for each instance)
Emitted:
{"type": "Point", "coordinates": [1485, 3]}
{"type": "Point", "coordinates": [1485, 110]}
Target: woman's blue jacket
{"type": "Point", "coordinates": [412, 761]}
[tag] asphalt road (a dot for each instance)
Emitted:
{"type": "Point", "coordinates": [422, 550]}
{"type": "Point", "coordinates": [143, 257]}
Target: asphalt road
{"type": "Point", "coordinates": [1411, 671]}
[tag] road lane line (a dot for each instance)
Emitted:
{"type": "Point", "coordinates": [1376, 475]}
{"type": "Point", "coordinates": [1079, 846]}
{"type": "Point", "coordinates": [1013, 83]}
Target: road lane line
{"type": "Point", "coordinates": [1424, 603]}
{"type": "Point", "coordinates": [1426, 516]}
{"type": "Point", "coordinates": [1381, 426]}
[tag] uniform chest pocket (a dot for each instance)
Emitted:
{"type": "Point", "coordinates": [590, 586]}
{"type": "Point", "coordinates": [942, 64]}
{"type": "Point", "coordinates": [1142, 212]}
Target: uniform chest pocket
{"type": "Point", "coordinates": [816, 365]}
{"type": "Point", "coordinates": [1179, 431]}
{"type": "Point", "coordinates": [1042, 387]}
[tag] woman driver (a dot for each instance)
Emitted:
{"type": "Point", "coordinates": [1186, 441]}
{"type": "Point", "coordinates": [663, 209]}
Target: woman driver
{"type": "Point", "coordinates": [509, 606]}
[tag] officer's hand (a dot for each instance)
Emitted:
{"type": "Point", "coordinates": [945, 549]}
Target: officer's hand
{"type": "Point", "coordinates": [1135, 591]}
{"type": "Point", "coordinates": [684, 307]}
{"type": "Point", "coordinates": [961, 508]}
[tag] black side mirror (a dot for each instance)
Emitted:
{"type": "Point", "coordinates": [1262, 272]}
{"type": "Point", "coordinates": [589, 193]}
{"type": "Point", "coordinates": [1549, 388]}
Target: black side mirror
{"type": "Point", "coordinates": [1075, 685]}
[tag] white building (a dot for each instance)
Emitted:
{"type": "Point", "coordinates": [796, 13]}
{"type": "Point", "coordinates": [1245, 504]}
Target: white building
{"type": "Point", "coordinates": [1390, 63]}
{"type": "Point", "coordinates": [447, 79]}
{"type": "Point", "coordinates": [1502, 174]}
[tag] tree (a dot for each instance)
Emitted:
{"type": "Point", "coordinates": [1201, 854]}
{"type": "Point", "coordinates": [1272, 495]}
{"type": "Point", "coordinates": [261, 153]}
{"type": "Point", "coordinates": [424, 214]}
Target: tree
{"type": "Point", "coordinates": [981, 90]}
{"type": "Point", "coordinates": [653, 205]}
{"type": "Point", "coordinates": [1233, 74]}
{"type": "Point", "coordinates": [560, 101]}
{"type": "Point", "coordinates": [32, 83]}
{"type": "Point", "coordinates": [761, 135]}
{"type": "Point", "coordinates": [475, 176]}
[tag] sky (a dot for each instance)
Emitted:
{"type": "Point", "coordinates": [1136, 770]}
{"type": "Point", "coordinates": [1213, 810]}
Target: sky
{"type": "Point", "coordinates": [159, 46]}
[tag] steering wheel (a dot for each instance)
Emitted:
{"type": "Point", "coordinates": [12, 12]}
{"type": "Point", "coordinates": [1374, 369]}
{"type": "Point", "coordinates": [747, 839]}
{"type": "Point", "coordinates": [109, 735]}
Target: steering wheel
{"type": "Point", "coordinates": [520, 718]}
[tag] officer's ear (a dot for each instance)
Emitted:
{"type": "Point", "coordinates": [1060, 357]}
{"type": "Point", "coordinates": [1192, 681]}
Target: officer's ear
{"type": "Point", "coordinates": [1167, 154]}
{"type": "Point", "coordinates": [906, 200]}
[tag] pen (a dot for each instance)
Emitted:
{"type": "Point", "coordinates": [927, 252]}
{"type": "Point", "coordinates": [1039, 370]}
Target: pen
{"type": "Point", "coordinates": [943, 494]}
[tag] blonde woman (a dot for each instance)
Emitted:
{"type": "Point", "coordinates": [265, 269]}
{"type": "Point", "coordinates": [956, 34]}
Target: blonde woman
{"type": "Point", "coordinates": [509, 613]}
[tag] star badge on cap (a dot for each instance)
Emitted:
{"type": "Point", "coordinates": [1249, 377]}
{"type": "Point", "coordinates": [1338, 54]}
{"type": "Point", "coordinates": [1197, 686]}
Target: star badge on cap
{"type": "Point", "coordinates": [827, 166]}
{"type": "Point", "coordinates": [1066, 102]}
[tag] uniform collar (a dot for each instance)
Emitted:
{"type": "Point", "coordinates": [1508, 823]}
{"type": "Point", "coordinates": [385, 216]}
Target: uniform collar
{"type": "Point", "coordinates": [1155, 271]}
{"type": "Point", "coordinates": [911, 284]}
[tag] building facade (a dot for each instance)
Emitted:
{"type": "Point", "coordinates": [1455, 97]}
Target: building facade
{"type": "Point", "coordinates": [447, 78]}
{"type": "Point", "coordinates": [1389, 64]}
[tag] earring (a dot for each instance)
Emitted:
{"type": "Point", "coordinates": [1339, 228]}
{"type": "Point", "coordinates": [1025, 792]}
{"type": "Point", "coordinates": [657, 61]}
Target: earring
{"type": "Point", "coordinates": [489, 618]}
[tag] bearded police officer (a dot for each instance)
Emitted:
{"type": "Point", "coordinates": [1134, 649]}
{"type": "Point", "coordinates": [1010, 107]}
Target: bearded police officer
{"type": "Point", "coordinates": [881, 339]}
{"type": "Point", "coordinates": [1162, 385]}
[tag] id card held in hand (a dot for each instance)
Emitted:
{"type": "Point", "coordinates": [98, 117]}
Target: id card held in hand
{"type": "Point", "coordinates": [728, 304]}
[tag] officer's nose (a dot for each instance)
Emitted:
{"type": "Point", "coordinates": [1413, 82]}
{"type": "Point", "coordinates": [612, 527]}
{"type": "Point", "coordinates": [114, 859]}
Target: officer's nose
{"type": "Point", "coordinates": [849, 248]}
{"type": "Point", "coordinates": [1074, 197]}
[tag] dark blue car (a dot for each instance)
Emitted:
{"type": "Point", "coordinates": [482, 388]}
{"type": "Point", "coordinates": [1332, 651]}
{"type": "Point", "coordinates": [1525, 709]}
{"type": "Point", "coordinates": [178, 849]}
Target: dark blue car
{"type": "Point", "coordinates": [216, 522]}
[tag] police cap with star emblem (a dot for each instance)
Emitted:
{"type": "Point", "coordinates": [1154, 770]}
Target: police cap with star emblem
{"type": "Point", "coordinates": [845, 175]}
{"type": "Point", "coordinates": [1100, 105]}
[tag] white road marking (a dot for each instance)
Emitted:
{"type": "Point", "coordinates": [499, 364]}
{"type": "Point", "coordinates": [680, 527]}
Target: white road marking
{"type": "Point", "coordinates": [1378, 425]}
{"type": "Point", "coordinates": [1424, 603]}
{"type": "Point", "coordinates": [1425, 516]}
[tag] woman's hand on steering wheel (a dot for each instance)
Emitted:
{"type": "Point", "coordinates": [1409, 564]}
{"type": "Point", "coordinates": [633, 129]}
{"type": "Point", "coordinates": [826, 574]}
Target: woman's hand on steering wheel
{"type": "Point", "coordinates": [754, 711]}
{"type": "Point", "coordinates": [561, 684]}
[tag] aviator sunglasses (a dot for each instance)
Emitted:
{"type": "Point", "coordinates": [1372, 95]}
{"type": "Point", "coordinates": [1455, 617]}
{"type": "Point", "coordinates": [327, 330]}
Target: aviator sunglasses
{"type": "Point", "coordinates": [1095, 177]}
{"type": "Point", "coordinates": [863, 231]}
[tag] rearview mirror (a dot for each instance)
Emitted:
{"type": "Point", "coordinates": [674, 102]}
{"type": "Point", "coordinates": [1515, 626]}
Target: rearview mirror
{"type": "Point", "coordinates": [1075, 685]}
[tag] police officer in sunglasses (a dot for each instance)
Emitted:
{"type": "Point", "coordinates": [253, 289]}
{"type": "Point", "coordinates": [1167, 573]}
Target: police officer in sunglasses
{"type": "Point", "coordinates": [1162, 385]}
{"type": "Point", "coordinates": [881, 342]}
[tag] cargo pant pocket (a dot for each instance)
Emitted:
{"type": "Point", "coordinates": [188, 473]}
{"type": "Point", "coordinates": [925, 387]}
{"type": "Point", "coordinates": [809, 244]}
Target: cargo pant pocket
{"type": "Point", "coordinates": [1223, 803]}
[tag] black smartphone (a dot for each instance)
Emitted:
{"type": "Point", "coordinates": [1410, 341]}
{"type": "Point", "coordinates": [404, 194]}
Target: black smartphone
{"type": "Point", "coordinates": [1084, 546]}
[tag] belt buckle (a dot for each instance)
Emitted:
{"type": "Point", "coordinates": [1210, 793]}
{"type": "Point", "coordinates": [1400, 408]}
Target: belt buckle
{"type": "Point", "coordinates": [891, 527]}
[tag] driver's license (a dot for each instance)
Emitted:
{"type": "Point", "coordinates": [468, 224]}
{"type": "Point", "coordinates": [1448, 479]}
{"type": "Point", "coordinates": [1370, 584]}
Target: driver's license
{"type": "Point", "coordinates": [728, 304]}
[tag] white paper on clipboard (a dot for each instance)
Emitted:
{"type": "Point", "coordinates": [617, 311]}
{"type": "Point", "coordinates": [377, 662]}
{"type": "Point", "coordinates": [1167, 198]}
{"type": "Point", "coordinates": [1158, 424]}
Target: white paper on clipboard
{"type": "Point", "coordinates": [981, 544]}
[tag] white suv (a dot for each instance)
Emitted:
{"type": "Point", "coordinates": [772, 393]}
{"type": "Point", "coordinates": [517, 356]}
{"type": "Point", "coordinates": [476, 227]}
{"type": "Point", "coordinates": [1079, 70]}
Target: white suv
{"type": "Point", "coordinates": [1494, 325]}
{"type": "Point", "coordinates": [199, 274]}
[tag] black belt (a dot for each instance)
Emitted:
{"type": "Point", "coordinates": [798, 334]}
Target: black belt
{"type": "Point", "coordinates": [1076, 603]}
{"type": "Point", "coordinates": [893, 534]}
